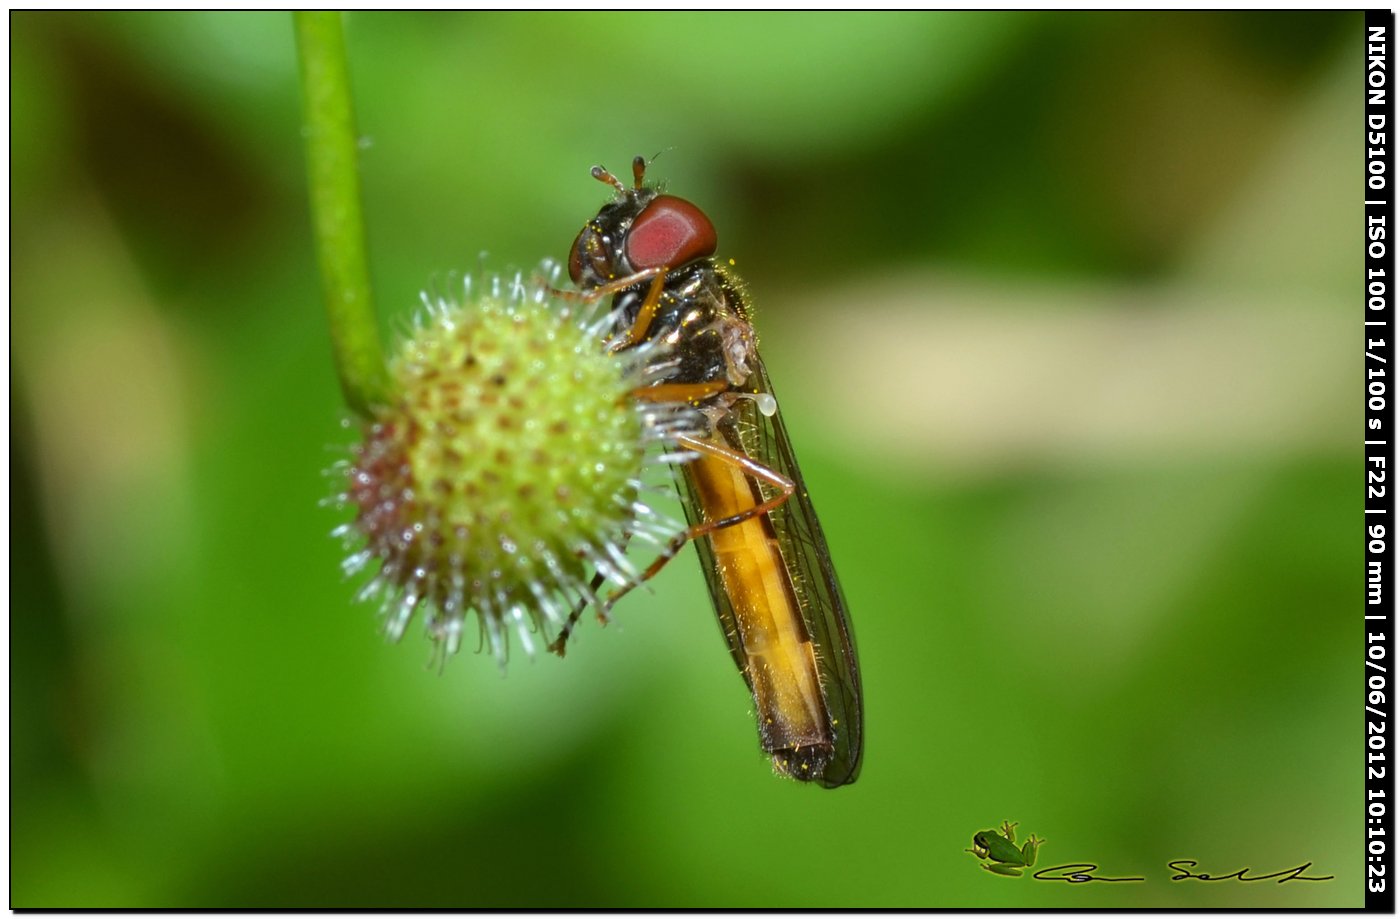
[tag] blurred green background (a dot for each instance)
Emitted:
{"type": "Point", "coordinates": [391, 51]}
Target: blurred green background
{"type": "Point", "coordinates": [1062, 311]}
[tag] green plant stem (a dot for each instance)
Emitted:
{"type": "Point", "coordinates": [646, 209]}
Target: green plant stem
{"type": "Point", "coordinates": [333, 170]}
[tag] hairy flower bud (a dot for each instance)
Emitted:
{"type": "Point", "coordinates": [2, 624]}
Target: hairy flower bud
{"type": "Point", "coordinates": [509, 468]}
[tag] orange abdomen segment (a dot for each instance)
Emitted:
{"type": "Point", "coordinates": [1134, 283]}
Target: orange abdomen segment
{"type": "Point", "coordinates": [779, 663]}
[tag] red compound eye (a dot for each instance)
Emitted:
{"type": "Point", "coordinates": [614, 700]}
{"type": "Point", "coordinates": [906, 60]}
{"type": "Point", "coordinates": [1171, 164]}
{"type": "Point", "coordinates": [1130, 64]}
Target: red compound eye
{"type": "Point", "coordinates": [668, 233]}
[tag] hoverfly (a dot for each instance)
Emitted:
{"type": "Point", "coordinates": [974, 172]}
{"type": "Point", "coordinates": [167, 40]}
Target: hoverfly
{"type": "Point", "coordinates": [764, 557]}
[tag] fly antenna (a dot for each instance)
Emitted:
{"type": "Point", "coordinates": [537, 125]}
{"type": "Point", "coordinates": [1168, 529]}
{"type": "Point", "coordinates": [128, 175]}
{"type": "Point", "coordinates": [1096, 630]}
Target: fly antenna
{"type": "Point", "coordinates": [602, 175]}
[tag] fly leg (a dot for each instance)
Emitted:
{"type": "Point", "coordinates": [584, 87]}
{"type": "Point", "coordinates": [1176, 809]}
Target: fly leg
{"type": "Point", "coordinates": [642, 324]}
{"type": "Point", "coordinates": [645, 314]}
{"type": "Point", "coordinates": [666, 392]}
{"type": "Point", "coordinates": [615, 286]}
{"type": "Point", "coordinates": [750, 467]}
{"type": "Point", "coordinates": [677, 392]}
{"type": "Point", "coordinates": [784, 485]}
{"type": "Point", "coordinates": [558, 646]}
{"type": "Point", "coordinates": [560, 643]}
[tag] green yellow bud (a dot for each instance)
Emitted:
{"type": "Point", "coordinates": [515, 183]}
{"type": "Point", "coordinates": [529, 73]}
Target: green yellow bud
{"type": "Point", "coordinates": [507, 471]}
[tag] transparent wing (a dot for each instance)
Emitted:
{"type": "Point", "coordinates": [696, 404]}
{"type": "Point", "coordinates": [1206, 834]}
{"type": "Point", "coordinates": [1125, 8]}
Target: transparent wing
{"type": "Point", "coordinates": [809, 568]}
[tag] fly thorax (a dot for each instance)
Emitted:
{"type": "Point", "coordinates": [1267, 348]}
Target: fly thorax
{"type": "Point", "coordinates": [737, 338]}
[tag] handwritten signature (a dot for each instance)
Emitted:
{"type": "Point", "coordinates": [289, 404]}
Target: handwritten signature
{"type": "Point", "coordinates": [1083, 872]}
{"type": "Point", "coordinates": [1289, 874]}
